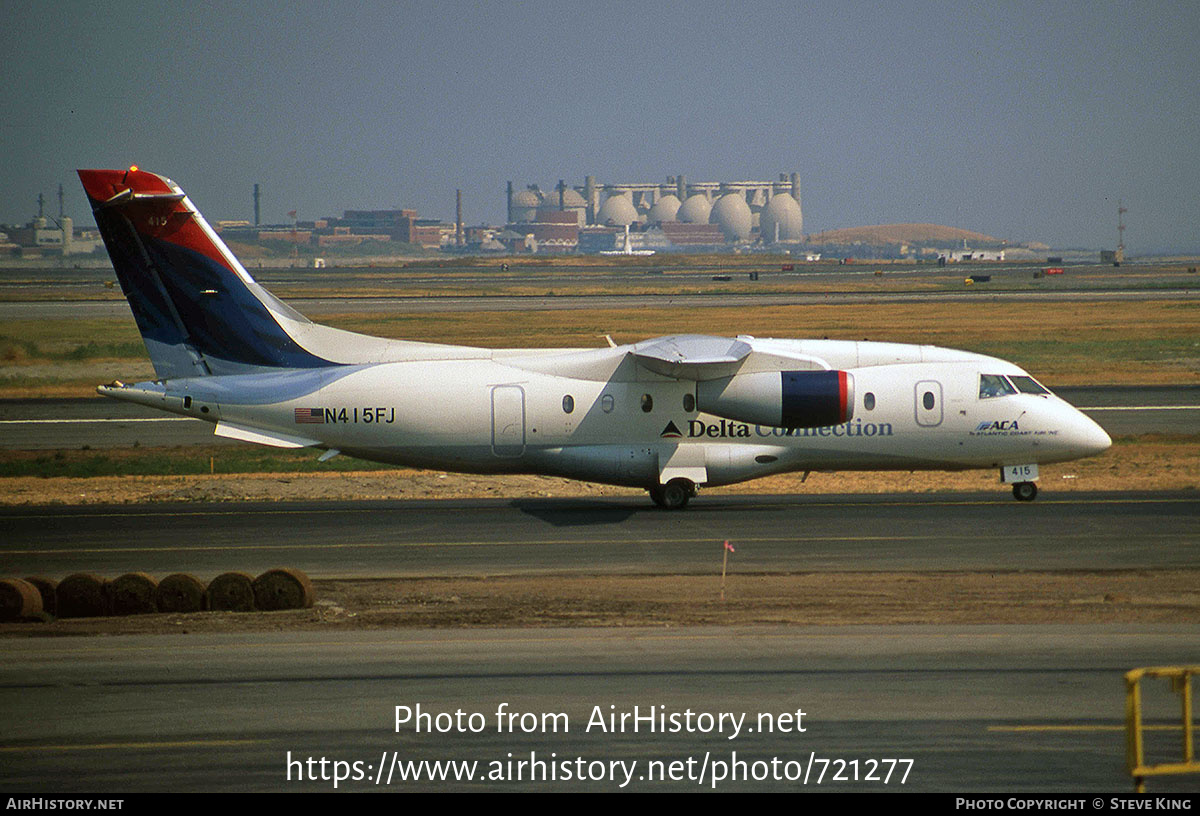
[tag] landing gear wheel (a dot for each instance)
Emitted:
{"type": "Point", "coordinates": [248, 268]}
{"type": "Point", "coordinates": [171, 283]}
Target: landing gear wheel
{"type": "Point", "coordinates": [674, 494]}
{"type": "Point", "coordinates": [1025, 491]}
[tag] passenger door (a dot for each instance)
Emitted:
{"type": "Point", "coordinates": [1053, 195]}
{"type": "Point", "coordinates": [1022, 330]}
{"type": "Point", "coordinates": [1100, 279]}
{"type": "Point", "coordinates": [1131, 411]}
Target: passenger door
{"type": "Point", "coordinates": [927, 402]}
{"type": "Point", "coordinates": [508, 420]}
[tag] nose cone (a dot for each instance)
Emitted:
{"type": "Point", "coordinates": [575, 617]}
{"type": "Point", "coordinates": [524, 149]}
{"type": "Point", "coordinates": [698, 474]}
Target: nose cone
{"type": "Point", "coordinates": [1087, 438]}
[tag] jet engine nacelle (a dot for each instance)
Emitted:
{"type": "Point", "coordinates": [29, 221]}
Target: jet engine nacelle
{"type": "Point", "coordinates": [781, 399]}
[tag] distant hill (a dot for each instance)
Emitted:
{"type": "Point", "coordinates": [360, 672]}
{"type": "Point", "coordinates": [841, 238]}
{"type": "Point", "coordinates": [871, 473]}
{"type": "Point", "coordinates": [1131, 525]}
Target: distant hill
{"type": "Point", "coordinates": [902, 234]}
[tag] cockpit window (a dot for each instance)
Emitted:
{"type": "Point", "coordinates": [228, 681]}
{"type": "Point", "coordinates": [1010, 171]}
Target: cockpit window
{"type": "Point", "coordinates": [1028, 385]}
{"type": "Point", "coordinates": [993, 385]}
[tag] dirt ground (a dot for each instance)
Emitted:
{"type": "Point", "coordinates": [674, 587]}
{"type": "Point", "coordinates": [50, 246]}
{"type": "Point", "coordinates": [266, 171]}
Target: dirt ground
{"type": "Point", "coordinates": [839, 598]}
{"type": "Point", "coordinates": [1147, 464]}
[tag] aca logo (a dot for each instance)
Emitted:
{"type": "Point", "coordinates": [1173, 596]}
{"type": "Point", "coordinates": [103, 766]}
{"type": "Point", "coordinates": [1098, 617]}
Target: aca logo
{"type": "Point", "coordinates": [1000, 425]}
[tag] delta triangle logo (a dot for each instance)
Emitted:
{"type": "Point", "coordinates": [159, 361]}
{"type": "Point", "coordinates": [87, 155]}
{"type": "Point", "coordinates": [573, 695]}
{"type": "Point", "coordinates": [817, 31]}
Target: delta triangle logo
{"type": "Point", "coordinates": [671, 432]}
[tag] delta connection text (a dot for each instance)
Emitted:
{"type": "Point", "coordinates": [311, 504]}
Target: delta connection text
{"type": "Point", "coordinates": [729, 429]}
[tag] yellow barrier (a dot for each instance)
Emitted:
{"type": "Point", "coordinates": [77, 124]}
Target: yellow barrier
{"type": "Point", "coordinates": [1135, 760]}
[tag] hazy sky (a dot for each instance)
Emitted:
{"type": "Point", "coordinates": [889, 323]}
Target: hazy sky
{"type": "Point", "coordinates": [1023, 120]}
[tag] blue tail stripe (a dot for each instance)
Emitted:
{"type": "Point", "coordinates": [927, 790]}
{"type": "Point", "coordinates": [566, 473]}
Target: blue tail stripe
{"type": "Point", "coordinates": [147, 300]}
{"type": "Point", "coordinates": [223, 318]}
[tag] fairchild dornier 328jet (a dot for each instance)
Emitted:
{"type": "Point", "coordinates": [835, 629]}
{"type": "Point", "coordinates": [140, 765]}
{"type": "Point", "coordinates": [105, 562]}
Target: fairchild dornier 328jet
{"type": "Point", "coordinates": [670, 414]}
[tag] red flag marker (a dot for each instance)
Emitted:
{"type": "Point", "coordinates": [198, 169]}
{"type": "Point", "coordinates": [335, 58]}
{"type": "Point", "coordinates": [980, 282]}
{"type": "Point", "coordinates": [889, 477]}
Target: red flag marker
{"type": "Point", "coordinates": [724, 563]}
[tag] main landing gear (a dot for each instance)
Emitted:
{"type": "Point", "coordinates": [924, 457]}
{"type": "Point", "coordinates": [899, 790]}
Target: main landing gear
{"type": "Point", "coordinates": [674, 495]}
{"type": "Point", "coordinates": [1025, 491]}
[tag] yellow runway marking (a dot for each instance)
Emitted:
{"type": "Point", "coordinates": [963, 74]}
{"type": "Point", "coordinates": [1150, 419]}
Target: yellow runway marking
{"type": "Point", "coordinates": [114, 746]}
{"type": "Point", "coordinates": [1074, 728]}
{"type": "Point", "coordinates": [569, 637]}
{"type": "Point", "coordinates": [999, 501]}
{"type": "Point", "coordinates": [557, 543]}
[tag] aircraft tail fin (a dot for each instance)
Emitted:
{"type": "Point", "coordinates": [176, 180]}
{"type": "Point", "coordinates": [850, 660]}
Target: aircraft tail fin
{"type": "Point", "coordinates": [198, 310]}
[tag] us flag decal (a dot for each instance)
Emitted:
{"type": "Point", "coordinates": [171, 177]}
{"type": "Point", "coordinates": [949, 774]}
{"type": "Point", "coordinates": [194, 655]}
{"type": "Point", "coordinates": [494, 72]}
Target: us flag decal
{"type": "Point", "coordinates": [310, 416]}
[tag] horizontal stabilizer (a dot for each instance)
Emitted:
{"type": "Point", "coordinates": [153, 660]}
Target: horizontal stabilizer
{"type": "Point", "coordinates": [272, 438]}
{"type": "Point", "coordinates": [129, 196]}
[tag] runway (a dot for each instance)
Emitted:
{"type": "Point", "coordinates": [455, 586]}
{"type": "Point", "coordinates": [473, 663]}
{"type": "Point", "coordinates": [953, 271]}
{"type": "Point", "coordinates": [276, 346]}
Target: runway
{"type": "Point", "coordinates": [978, 708]}
{"type": "Point", "coordinates": [53, 424]}
{"type": "Point", "coordinates": [1095, 531]}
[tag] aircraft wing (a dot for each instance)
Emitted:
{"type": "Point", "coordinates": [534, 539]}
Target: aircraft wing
{"type": "Point", "coordinates": [692, 356]}
{"type": "Point", "coordinates": [703, 357]}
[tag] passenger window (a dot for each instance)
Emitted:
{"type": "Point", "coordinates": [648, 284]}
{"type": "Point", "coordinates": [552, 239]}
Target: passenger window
{"type": "Point", "coordinates": [606, 403]}
{"type": "Point", "coordinates": [689, 402]}
{"type": "Point", "coordinates": [928, 401]}
{"type": "Point", "coordinates": [993, 385]}
{"type": "Point", "coordinates": [647, 403]}
{"type": "Point", "coordinates": [1028, 385]}
{"type": "Point", "coordinates": [869, 401]}
{"type": "Point", "coordinates": [568, 404]}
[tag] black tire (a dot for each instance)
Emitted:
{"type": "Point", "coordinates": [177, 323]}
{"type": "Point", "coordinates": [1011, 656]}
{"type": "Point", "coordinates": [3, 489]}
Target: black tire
{"type": "Point", "coordinates": [1025, 491]}
{"type": "Point", "coordinates": [656, 495]}
{"type": "Point", "coordinates": [675, 494]}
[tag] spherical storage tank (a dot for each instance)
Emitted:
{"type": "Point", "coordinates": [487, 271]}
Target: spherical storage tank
{"type": "Point", "coordinates": [665, 209]}
{"type": "Point", "coordinates": [571, 202]}
{"type": "Point", "coordinates": [732, 214]}
{"type": "Point", "coordinates": [617, 210]}
{"type": "Point", "coordinates": [571, 199]}
{"type": "Point", "coordinates": [781, 210]}
{"type": "Point", "coordinates": [695, 210]}
{"type": "Point", "coordinates": [524, 206]}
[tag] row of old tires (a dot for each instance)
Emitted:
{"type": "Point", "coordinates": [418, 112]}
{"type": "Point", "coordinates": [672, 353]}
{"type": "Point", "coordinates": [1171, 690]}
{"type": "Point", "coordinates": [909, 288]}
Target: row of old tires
{"type": "Point", "coordinates": [84, 595]}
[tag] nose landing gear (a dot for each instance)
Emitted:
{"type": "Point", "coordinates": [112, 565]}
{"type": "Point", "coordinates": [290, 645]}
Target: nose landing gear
{"type": "Point", "coordinates": [1025, 491]}
{"type": "Point", "coordinates": [1021, 477]}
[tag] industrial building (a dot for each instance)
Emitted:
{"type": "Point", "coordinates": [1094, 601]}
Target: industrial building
{"type": "Point", "coordinates": [353, 227]}
{"type": "Point", "coordinates": [683, 213]}
{"type": "Point", "coordinates": [44, 235]}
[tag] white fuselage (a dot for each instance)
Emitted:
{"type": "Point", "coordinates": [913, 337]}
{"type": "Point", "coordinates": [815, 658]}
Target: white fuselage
{"type": "Point", "coordinates": [595, 415]}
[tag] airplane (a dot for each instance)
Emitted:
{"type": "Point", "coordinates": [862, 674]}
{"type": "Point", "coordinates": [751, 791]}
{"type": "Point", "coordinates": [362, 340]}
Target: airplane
{"type": "Point", "coordinates": [668, 414]}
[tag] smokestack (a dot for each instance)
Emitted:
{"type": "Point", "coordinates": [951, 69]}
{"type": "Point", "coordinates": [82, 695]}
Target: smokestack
{"type": "Point", "coordinates": [681, 188]}
{"type": "Point", "coordinates": [589, 194]}
{"type": "Point", "coordinates": [256, 220]}
{"type": "Point", "coordinates": [796, 194]}
{"type": "Point", "coordinates": [60, 203]}
{"type": "Point", "coordinates": [509, 216]}
{"type": "Point", "coordinates": [458, 227]}
{"type": "Point", "coordinates": [562, 195]}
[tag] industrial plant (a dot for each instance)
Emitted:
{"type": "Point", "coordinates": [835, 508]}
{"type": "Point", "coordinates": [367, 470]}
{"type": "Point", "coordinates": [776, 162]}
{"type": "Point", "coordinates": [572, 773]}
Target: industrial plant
{"type": "Point", "coordinates": [628, 218]}
{"type": "Point", "coordinates": [675, 214]}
